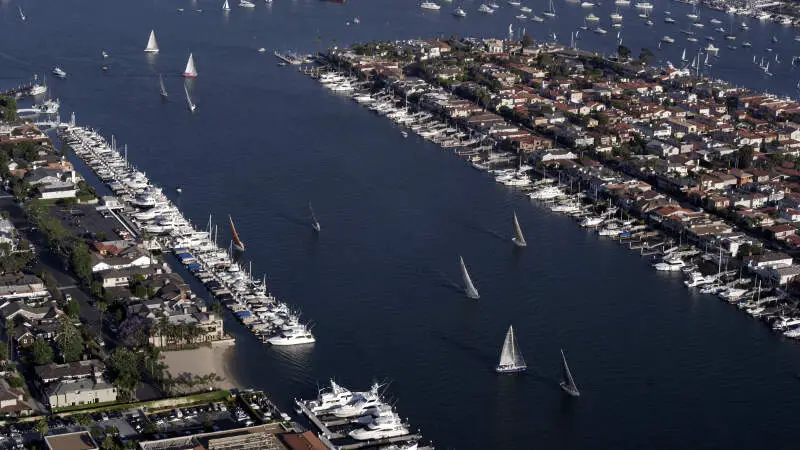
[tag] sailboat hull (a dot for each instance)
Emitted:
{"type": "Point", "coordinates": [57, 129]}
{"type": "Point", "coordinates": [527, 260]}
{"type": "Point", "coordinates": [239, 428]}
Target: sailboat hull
{"type": "Point", "coordinates": [510, 369]}
{"type": "Point", "coordinates": [518, 242]}
{"type": "Point", "coordinates": [189, 75]}
{"type": "Point", "coordinates": [569, 390]}
{"type": "Point", "coordinates": [238, 247]}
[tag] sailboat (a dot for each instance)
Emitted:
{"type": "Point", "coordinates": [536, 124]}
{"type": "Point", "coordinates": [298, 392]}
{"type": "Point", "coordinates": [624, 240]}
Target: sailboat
{"type": "Point", "coordinates": [21, 14]}
{"type": "Point", "coordinates": [518, 239]}
{"type": "Point", "coordinates": [568, 383]}
{"type": "Point", "coordinates": [314, 222]}
{"type": "Point", "coordinates": [192, 107]}
{"type": "Point", "coordinates": [511, 359]}
{"type": "Point", "coordinates": [237, 243]}
{"type": "Point", "coordinates": [469, 288]}
{"type": "Point", "coordinates": [161, 85]}
{"type": "Point", "coordinates": [226, 6]}
{"type": "Point", "coordinates": [152, 45]}
{"type": "Point", "coordinates": [551, 10]}
{"type": "Point", "coordinates": [190, 71]}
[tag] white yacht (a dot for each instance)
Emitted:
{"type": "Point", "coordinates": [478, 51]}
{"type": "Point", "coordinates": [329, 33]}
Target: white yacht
{"type": "Point", "coordinates": [293, 336]}
{"type": "Point", "coordinates": [485, 9]}
{"type": "Point", "coordinates": [526, 10]}
{"type": "Point", "coordinates": [546, 193]}
{"type": "Point", "coordinates": [335, 397]}
{"type": "Point", "coordinates": [360, 403]}
{"type": "Point", "coordinates": [616, 16]}
{"type": "Point", "coordinates": [459, 13]}
{"type": "Point", "coordinates": [592, 221]}
{"type": "Point", "coordinates": [670, 265]}
{"type": "Point", "coordinates": [48, 107]}
{"type": "Point", "coordinates": [587, 5]}
{"type": "Point", "coordinates": [384, 426]}
{"type": "Point", "coordinates": [592, 18]}
{"type": "Point", "coordinates": [58, 72]}
{"type": "Point", "coordinates": [669, 19]}
{"type": "Point", "coordinates": [643, 5]}
{"type": "Point", "coordinates": [430, 5]}
{"type": "Point", "coordinates": [246, 4]}
{"type": "Point", "coordinates": [668, 39]}
{"type": "Point", "coordinates": [600, 30]}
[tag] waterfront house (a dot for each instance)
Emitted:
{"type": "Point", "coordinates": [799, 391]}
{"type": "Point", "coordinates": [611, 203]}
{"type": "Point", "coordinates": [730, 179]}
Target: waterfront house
{"type": "Point", "coordinates": [768, 260]}
{"type": "Point", "coordinates": [133, 256]}
{"type": "Point", "coordinates": [77, 370]}
{"type": "Point", "coordinates": [88, 391]}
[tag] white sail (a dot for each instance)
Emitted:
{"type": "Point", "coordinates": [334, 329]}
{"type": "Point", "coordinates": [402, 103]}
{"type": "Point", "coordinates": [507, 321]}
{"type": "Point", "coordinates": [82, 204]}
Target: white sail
{"type": "Point", "coordinates": [683, 55]}
{"type": "Point", "coordinates": [152, 45]}
{"type": "Point", "coordinates": [192, 106]}
{"type": "Point", "coordinates": [567, 382]}
{"type": "Point", "coordinates": [226, 6]}
{"type": "Point", "coordinates": [469, 288]}
{"type": "Point", "coordinates": [190, 70]}
{"type": "Point", "coordinates": [511, 359]}
{"type": "Point", "coordinates": [314, 222]}
{"type": "Point", "coordinates": [518, 239]}
{"type": "Point", "coordinates": [161, 83]}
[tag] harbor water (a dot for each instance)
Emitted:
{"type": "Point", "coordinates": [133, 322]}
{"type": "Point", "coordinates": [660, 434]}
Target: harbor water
{"type": "Point", "coordinates": [657, 365]}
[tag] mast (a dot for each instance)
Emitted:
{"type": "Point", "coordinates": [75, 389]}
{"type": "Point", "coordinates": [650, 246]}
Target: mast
{"type": "Point", "coordinates": [236, 241]}
{"type": "Point", "coordinates": [192, 106]}
{"type": "Point", "coordinates": [161, 84]}
{"type": "Point", "coordinates": [469, 287]}
{"type": "Point", "coordinates": [511, 359]}
{"type": "Point", "coordinates": [519, 238]}
{"type": "Point", "coordinates": [314, 222]}
{"type": "Point", "coordinates": [152, 45]}
{"type": "Point", "coordinates": [568, 383]}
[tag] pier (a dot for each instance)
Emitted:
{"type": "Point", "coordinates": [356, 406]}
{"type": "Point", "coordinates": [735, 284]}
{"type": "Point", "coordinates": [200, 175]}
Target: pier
{"type": "Point", "coordinates": [147, 210]}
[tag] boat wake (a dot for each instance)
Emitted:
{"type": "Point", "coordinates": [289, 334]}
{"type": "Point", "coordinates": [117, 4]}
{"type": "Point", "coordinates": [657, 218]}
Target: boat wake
{"type": "Point", "coordinates": [448, 283]}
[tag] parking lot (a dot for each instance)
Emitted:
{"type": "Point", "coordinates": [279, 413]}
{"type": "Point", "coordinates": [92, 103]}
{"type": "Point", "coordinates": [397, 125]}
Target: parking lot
{"type": "Point", "coordinates": [86, 221]}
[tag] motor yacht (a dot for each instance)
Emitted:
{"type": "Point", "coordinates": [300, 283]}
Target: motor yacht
{"type": "Point", "coordinates": [430, 5]}
{"type": "Point", "coordinates": [670, 265]}
{"type": "Point", "coordinates": [485, 9]}
{"type": "Point", "coordinates": [381, 428]}
{"type": "Point", "coordinates": [546, 193]}
{"type": "Point", "coordinates": [294, 336]}
{"type": "Point", "coordinates": [592, 221]}
{"type": "Point", "coordinates": [459, 13]}
{"type": "Point", "coordinates": [58, 72]}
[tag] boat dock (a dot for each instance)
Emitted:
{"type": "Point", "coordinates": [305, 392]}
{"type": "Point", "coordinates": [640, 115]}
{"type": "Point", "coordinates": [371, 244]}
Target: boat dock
{"type": "Point", "coordinates": [358, 420]}
{"type": "Point", "coordinates": [147, 210]}
{"type": "Point", "coordinates": [19, 90]}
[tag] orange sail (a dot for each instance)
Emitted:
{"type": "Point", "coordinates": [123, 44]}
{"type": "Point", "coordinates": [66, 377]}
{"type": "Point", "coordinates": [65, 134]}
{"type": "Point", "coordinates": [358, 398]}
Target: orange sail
{"type": "Point", "coordinates": [237, 243]}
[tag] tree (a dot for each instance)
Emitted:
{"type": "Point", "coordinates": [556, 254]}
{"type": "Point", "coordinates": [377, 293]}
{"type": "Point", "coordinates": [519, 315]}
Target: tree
{"type": "Point", "coordinates": [3, 351]}
{"type": "Point", "coordinates": [41, 427]}
{"type": "Point", "coordinates": [746, 156]}
{"type": "Point", "coordinates": [42, 352]}
{"type": "Point", "coordinates": [646, 56]}
{"type": "Point", "coordinates": [527, 40]}
{"type": "Point", "coordinates": [73, 309]}
{"type": "Point", "coordinates": [623, 52]}
{"type": "Point", "coordinates": [102, 307]}
{"type": "Point", "coordinates": [109, 443]}
{"type": "Point", "coordinates": [124, 366]}
{"type": "Point", "coordinates": [69, 341]}
{"type": "Point", "coordinates": [133, 331]}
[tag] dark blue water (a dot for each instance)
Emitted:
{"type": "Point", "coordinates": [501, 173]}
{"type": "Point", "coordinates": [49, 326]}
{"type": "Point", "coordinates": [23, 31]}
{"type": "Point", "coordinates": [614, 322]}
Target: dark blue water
{"type": "Point", "coordinates": [658, 367]}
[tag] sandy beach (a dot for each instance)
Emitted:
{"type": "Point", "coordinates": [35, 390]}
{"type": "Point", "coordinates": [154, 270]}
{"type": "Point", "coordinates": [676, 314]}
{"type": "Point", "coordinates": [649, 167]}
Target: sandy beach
{"type": "Point", "coordinates": [202, 361]}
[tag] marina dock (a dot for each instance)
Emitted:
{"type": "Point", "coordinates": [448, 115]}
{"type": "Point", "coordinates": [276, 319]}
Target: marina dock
{"type": "Point", "coordinates": [339, 416]}
{"type": "Point", "coordinates": [146, 210]}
